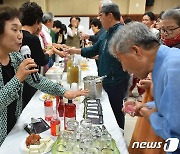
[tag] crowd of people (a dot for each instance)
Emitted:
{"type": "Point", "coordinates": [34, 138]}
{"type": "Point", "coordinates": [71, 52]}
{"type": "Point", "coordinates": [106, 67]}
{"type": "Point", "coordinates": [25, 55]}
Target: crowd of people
{"type": "Point", "coordinates": [148, 51]}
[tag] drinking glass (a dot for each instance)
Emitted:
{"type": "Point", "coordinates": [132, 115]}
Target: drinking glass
{"type": "Point", "coordinates": [68, 139]}
{"type": "Point", "coordinates": [61, 148]}
{"type": "Point", "coordinates": [130, 107]}
{"type": "Point", "coordinates": [86, 124]}
{"type": "Point", "coordinates": [107, 151]}
{"type": "Point", "coordinates": [72, 125]}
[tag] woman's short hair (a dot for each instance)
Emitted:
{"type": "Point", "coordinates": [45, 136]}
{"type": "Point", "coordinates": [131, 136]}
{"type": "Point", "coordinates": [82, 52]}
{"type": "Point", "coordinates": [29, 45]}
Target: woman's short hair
{"type": "Point", "coordinates": [57, 24]}
{"type": "Point", "coordinates": [73, 17]}
{"type": "Point", "coordinates": [96, 22]}
{"type": "Point", "coordinates": [150, 15]}
{"type": "Point", "coordinates": [63, 28]}
{"type": "Point", "coordinates": [7, 13]}
{"type": "Point", "coordinates": [31, 13]}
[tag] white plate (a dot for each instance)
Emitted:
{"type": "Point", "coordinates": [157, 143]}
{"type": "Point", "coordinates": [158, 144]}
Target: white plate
{"type": "Point", "coordinates": [42, 99]}
{"type": "Point", "coordinates": [23, 146]}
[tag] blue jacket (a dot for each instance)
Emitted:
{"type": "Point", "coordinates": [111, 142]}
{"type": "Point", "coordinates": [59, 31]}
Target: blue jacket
{"type": "Point", "coordinates": [108, 65]}
{"type": "Point", "coordinates": [166, 87]}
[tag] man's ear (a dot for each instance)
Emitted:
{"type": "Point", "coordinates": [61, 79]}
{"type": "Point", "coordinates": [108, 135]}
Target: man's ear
{"type": "Point", "coordinates": [110, 16]}
{"type": "Point", "coordinates": [136, 50]}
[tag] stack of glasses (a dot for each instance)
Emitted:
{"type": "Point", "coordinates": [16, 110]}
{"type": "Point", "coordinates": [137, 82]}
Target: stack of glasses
{"type": "Point", "coordinates": [84, 139]}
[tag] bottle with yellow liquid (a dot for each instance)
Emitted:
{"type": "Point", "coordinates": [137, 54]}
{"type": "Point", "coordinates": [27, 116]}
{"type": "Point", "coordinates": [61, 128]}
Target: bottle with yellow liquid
{"type": "Point", "coordinates": [74, 73]}
{"type": "Point", "coordinates": [69, 65]}
{"type": "Point", "coordinates": [70, 61]}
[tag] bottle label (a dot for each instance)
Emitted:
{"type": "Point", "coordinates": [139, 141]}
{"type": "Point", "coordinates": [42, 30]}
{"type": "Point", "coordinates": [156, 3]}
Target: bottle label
{"type": "Point", "coordinates": [48, 111]}
{"type": "Point", "coordinates": [57, 130]}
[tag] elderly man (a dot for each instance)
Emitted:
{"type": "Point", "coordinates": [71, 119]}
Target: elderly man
{"type": "Point", "coordinates": [116, 82]}
{"type": "Point", "coordinates": [140, 53]}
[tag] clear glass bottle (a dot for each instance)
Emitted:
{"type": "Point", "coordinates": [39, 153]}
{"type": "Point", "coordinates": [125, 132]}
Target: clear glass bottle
{"type": "Point", "coordinates": [69, 112]}
{"type": "Point", "coordinates": [48, 109]}
{"type": "Point", "coordinates": [55, 124]}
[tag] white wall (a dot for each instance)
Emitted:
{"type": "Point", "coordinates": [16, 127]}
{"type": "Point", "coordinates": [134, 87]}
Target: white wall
{"type": "Point", "coordinates": [84, 22]}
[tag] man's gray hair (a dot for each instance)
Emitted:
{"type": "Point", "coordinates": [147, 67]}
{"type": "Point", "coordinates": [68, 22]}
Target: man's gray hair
{"type": "Point", "coordinates": [134, 33]}
{"type": "Point", "coordinates": [47, 17]}
{"type": "Point", "coordinates": [172, 14]}
{"type": "Point", "coordinates": [111, 8]}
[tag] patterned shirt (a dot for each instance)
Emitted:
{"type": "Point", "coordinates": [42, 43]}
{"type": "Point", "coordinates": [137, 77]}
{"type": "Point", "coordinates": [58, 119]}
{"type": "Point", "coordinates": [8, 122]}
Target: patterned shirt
{"type": "Point", "coordinates": [10, 92]}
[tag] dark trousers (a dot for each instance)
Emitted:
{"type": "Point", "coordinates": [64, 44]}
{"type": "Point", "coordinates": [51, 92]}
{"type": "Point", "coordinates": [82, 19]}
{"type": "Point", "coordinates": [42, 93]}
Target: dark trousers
{"type": "Point", "coordinates": [116, 93]}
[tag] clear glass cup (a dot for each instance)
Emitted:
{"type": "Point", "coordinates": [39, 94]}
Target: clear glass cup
{"type": "Point", "coordinates": [61, 148]}
{"type": "Point", "coordinates": [130, 107]}
{"type": "Point", "coordinates": [107, 151]}
{"type": "Point", "coordinates": [106, 140]}
{"type": "Point", "coordinates": [85, 141]}
{"type": "Point", "coordinates": [96, 132]}
{"type": "Point", "coordinates": [93, 151]}
{"type": "Point", "coordinates": [72, 125]}
{"type": "Point", "coordinates": [86, 124]}
{"type": "Point", "coordinates": [69, 140]}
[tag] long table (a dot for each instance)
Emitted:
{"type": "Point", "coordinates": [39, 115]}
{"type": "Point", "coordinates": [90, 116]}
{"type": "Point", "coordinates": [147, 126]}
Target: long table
{"type": "Point", "coordinates": [35, 108]}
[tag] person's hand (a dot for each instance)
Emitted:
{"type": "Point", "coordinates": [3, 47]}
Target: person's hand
{"type": "Point", "coordinates": [146, 112]}
{"type": "Point", "coordinates": [24, 69]}
{"type": "Point", "coordinates": [70, 50]}
{"type": "Point", "coordinates": [60, 53]}
{"type": "Point", "coordinates": [132, 108]}
{"type": "Point", "coordinates": [95, 57]}
{"type": "Point", "coordinates": [73, 94]}
{"type": "Point", "coordinates": [85, 36]}
{"type": "Point", "coordinates": [144, 84]}
{"type": "Point", "coordinates": [129, 107]}
{"type": "Point", "coordinates": [50, 52]}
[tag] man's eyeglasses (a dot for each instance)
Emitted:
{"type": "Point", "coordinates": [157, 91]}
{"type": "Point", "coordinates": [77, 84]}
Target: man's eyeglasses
{"type": "Point", "coordinates": [168, 31]}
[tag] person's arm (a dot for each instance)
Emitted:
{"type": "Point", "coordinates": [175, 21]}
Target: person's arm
{"type": "Point", "coordinates": [73, 50]}
{"type": "Point", "coordinates": [93, 38]}
{"type": "Point", "coordinates": [37, 53]}
{"type": "Point", "coordinates": [86, 52]}
{"type": "Point", "coordinates": [47, 86]}
{"type": "Point", "coordinates": [10, 91]}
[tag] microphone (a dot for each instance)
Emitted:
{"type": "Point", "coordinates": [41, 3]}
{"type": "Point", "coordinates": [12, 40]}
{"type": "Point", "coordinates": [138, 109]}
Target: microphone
{"type": "Point", "coordinates": [26, 52]}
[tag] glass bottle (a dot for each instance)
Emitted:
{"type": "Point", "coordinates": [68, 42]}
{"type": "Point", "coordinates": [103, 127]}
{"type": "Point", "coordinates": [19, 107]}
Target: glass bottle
{"type": "Point", "coordinates": [74, 73]}
{"type": "Point", "coordinates": [69, 62]}
{"type": "Point", "coordinates": [61, 106]}
{"type": "Point", "coordinates": [69, 112]}
{"type": "Point", "coordinates": [65, 63]}
{"type": "Point", "coordinates": [69, 65]}
{"type": "Point", "coordinates": [55, 124]}
{"type": "Point", "coordinates": [69, 75]}
{"type": "Point", "coordinates": [48, 109]}
{"type": "Point", "coordinates": [57, 102]}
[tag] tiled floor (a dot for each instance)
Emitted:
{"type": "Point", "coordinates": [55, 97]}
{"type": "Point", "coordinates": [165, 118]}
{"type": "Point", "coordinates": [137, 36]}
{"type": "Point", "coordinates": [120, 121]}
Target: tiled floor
{"type": "Point", "coordinates": [129, 127]}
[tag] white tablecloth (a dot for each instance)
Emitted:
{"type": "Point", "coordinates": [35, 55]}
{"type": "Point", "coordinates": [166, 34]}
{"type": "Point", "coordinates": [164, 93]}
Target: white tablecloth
{"type": "Point", "coordinates": [35, 108]}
